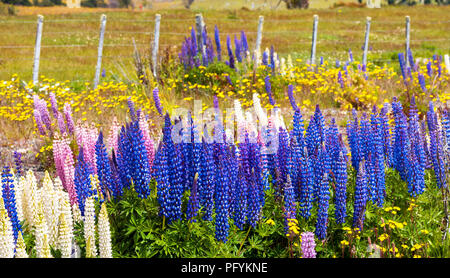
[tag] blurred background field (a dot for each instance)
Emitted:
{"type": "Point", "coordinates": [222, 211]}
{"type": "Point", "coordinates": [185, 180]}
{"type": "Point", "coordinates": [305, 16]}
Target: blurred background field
{"type": "Point", "coordinates": [70, 36]}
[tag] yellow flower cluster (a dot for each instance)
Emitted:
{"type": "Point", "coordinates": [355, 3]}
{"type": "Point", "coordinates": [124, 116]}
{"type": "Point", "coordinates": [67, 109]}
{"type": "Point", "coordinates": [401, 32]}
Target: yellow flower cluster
{"type": "Point", "coordinates": [293, 227]}
{"type": "Point", "coordinates": [394, 224]}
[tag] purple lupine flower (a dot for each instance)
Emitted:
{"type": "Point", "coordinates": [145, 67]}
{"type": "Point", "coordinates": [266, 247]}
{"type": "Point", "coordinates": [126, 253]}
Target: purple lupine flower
{"type": "Point", "coordinates": [103, 72]}
{"type": "Point", "coordinates": [82, 180]}
{"type": "Point", "coordinates": [68, 117]}
{"type": "Point", "coordinates": [193, 204]}
{"type": "Point", "coordinates": [265, 58]}
{"type": "Point", "coordinates": [240, 202]}
{"type": "Point", "coordinates": [158, 106]}
{"type": "Point", "coordinates": [401, 60]}
{"type": "Point", "coordinates": [341, 189]}
{"type": "Point", "coordinates": [308, 245]}
{"type": "Point", "coordinates": [412, 64]}
{"type": "Point", "coordinates": [41, 106]}
{"type": "Point", "coordinates": [217, 40]}
{"type": "Point", "coordinates": [338, 63]}
{"type": "Point", "coordinates": [38, 120]}
{"type": "Point", "coordinates": [103, 167]}
{"type": "Point", "coordinates": [54, 104]}
{"type": "Point", "coordinates": [321, 60]}
{"type": "Point", "coordinates": [272, 57]}
{"type": "Point", "coordinates": [290, 209]}
{"type": "Point", "coordinates": [429, 69]}
{"type": "Point", "coordinates": [401, 140]}
{"type": "Point", "coordinates": [61, 122]}
{"type": "Point", "coordinates": [323, 197]}
{"type": "Point", "coordinates": [350, 55]}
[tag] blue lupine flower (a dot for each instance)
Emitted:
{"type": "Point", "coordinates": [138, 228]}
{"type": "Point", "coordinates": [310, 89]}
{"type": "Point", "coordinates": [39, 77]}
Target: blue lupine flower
{"type": "Point", "coordinates": [353, 134]}
{"type": "Point", "coordinates": [306, 183]}
{"type": "Point", "coordinates": [400, 139]}
{"type": "Point", "coordinates": [9, 198]}
{"type": "Point", "coordinates": [193, 204]}
{"type": "Point", "coordinates": [268, 87]}
{"type": "Point", "coordinates": [222, 201]}
{"type": "Point", "coordinates": [238, 49]}
{"type": "Point", "coordinates": [244, 43]}
{"type": "Point", "coordinates": [230, 53]}
{"type": "Point", "coordinates": [422, 82]}
{"type": "Point", "coordinates": [291, 97]}
{"type": "Point", "coordinates": [429, 69]}
{"type": "Point", "coordinates": [322, 214]}
{"type": "Point", "coordinates": [206, 179]}
{"type": "Point", "coordinates": [265, 59]}
{"type": "Point", "coordinates": [340, 200]}
{"type": "Point", "coordinates": [116, 186]}
{"type": "Point", "coordinates": [240, 203]}
{"type": "Point", "coordinates": [82, 180]}
{"type": "Point", "coordinates": [401, 60]}
{"type": "Point", "coordinates": [359, 207]}
{"type": "Point", "coordinates": [103, 166]}
{"type": "Point", "coordinates": [290, 209]}
{"type": "Point", "coordinates": [217, 40]}
{"type": "Point", "coordinates": [272, 58]}
{"type": "Point", "coordinates": [338, 63]}
{"type": "Point", "coordinates": [350, 55]}
{"type": "Point", "coordinates": [386, 135]}
{"type": "Point", "coordinates": [283, 154]}
{"type": "Point", "coordinates": [340, 79]}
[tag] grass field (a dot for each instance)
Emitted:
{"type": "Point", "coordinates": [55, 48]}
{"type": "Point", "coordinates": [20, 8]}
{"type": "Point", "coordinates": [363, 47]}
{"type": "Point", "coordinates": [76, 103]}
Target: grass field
{"type": "Point", "coordinates": [70, 37]}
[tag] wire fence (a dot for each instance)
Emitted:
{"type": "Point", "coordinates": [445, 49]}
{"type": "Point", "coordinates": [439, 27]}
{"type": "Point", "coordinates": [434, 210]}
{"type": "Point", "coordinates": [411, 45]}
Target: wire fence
{"type": "Point", "coordinates": [116, 38]}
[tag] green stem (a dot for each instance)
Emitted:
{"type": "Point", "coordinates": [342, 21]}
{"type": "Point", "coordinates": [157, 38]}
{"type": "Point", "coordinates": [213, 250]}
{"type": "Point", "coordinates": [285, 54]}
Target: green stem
{"type": "Point", "coordinates": [164, 222]}
{"type": "Point", "coordinates": [242, 243]}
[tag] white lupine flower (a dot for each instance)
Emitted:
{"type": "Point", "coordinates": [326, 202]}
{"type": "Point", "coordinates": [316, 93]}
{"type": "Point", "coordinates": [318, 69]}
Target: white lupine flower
{"type": "Point", "coordinates": [76, 213]}
{"type": "Point", "coordinates": [290, 66]}
{"type": "Point", "coordinates": [6, 233]}
{"type": "Point", "coordinates": [45, 252]}
{"type": "Point", "coordinates": [30, 199]}
{"type": "Point", "coordinates": [89, 226]}
{"type": "Point", "coordinates": [104, 233]}
{"type": "Point", "coordinates": [41, 233]}
{"type": "Point", "coordinates": [21, 250]}
{"type": "Point", "coordinates": [66, 210]}
{"type": "Point", "coordinates": [262, 116]}
{"type": "Point", "coordinates": [283, 66]}
{"type": "Point", "coordinates": [65, 236]}
{"type": "Point", "coordinates": [18, 188]}
{"type": "Point", "coordinates": [51, 208]}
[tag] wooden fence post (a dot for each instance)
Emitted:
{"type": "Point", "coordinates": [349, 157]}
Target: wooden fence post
{"type": "Point", "coordinates": [100, 50]}
{"type": "Point", "coordinates": [156, 44]}
{"type": "Point", "coordinates": [259, 35]}
{"type": "Point", "coordinates": [314, 40]}
{"type": "Point", "coordinates": [366, 40]}
{"type": "Point", "coordinates": [407, 36]}
{"type": "Point", "coordinates": [37, 49]}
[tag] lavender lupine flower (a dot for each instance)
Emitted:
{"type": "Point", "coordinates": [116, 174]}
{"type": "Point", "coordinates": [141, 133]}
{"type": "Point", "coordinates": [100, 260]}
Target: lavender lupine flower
{"type": "Point", "coordinates": [194, 49]}
{"type": "Point", "coordinates": [423, 134]}
{"type": "Point", "coordinates": [18, 163]}
{"type": "Point", "coordinates": [9, 197]}
{"type": "Point", "coordinates": [38, 120]}
{"type": "Point", "coordinates": [359, 207]}
{"type": "Point", "coordinates": [68, 117]}
{"type": "Point", "coordinates": [217, 40]}
{"type": "Point", "coordinates": [272, 57]}
{"type": "Point", "coordinates": [322, 214]}
{"type": "Point", "coordinates": [54, 104]}
{"type": "Point", "coordinates": [321, 60]}
{"type": "Point", "coordinates": [412, 64]}
{"type": "Point", "coordinates": [338, 63]}
{"type": "Point", "coordinates": [41, 106]}
{"type": "Point", "coordinates": [436, 147]}
{"type": "Point", "coordinates": [61, 123]}
{"type": "Point", "coordinates": [230, 53]}
{"type": "Point", "coordinates": [308, 245]}
{"type": "Point", "coordinates": [158, 106]}
{"type": "Point", "coordinates": [350, 55]}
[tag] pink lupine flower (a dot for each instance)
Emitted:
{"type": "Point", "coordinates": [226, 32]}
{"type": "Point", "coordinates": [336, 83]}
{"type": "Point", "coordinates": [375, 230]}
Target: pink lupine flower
{"type": "Point", "coordinates": [148, 142]}
{"type": "Point", "coordinates": [68, 116]}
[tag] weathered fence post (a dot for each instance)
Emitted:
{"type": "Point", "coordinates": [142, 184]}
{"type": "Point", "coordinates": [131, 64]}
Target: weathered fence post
{"type": "Point", "coordinates": [407, 30]}
{"type": "Point", "coordinates": [314, 40]}
{"type": "Point", "coordinates": [156, 44]}
{"type": "Point", "coordinates": [100, 50]}
{"type": "Point", "coordinates": [37, 49]}
{"type": "Point", "coordinates": [366, 40]}
{"type": "Point", "coordinates": [259, 35]}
